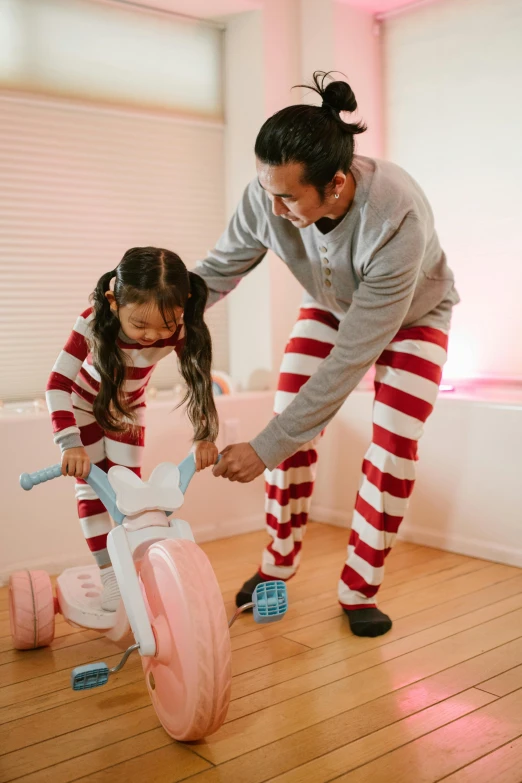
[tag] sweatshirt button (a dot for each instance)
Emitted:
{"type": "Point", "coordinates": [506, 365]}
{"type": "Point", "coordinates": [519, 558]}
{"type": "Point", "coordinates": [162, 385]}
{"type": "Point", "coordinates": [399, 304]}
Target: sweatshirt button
{"type": "Point", "coordinates": [323, 249]}
{"type": "Point", "coordinates": [328, 271]}
{"type": "Point", "coordinates": [328, 283]}
{"type": "Point", "coordinates": [325, 261]}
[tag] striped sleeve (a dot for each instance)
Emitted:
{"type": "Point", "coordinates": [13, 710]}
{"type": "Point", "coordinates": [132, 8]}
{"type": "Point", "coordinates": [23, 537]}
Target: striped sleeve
{"type": "Point", "coordinates": [60, 384]}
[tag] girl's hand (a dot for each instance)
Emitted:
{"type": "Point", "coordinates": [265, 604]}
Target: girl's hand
{"type": "Point", "coordinates": [205, 454]}
{"type": "Point", "coordinates": [75, 462]}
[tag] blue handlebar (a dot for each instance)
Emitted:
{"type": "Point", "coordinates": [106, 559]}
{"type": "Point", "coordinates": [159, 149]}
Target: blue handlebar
{"type": "Point", "coordinates": [29, 480]}
{"type": "Point", "coordinates": [187, 471]}
{"type": "Point", "coordinates": [98, 480]}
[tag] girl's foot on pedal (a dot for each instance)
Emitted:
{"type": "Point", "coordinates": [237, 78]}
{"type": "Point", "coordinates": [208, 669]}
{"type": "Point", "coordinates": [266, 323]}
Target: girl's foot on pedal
{"type": "Point", "coordinates": [111, 593]}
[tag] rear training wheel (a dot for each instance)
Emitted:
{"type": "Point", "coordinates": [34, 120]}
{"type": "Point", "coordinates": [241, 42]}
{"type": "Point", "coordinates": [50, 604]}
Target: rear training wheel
{"type": "Point", "coordinates": [189, 678]}
{"type": "Point", "coordinates": [31, 609]}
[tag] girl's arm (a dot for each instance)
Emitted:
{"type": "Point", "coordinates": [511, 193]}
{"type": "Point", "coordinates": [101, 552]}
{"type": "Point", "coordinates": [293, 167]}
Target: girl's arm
{"type": "Point", "coordinates": [60, 384]}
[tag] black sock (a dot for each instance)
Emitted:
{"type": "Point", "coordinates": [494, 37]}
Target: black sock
{"type": "Point", "coordinates": [245, 594]}
{"type": "Point", "coordinates": [368, 621]}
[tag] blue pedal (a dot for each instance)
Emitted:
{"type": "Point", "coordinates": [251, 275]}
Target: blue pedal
{"type": "Point", "coordinates": [91, 675]}
{"type": "Point", "coordinates": [270, 601]}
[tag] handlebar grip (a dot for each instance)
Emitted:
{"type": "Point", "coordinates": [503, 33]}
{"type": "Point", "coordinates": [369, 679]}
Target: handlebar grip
{"type": "Point", "coordinates": [29, 480]}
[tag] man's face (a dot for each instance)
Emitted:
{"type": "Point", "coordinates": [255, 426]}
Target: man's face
{"type": "Point", "coordinates": [292, 200]}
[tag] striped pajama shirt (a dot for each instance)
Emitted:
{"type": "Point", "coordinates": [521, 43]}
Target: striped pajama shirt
{"type": "Point", "coordinates": [408, 373]}
{"type": "Point", "coordinates": [71, 391]}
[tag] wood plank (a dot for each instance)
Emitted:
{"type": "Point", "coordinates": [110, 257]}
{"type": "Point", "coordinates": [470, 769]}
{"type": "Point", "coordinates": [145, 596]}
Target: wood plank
{"type": "Point", "coordinates": [55, 750]}
{"type": "Point", "coordinates": [62, 629]}
{"type": "Point", "coordinates": [264, 654]}
{"type": "Point", "coordinates": [105, 704]}
{"type": "Point", "coordinates": [320, 738]}
{"type": "Point", "coordinates": [312, 580]}
{"type": "Point", "coordinates": [502, 766]}
{"type": "Point", "coordinates": [505, 683]}
{"type": "Point", "coordinates": [48, 697]}
{"type": "Point", "coordinates": [126, 761]}
{"type": "Point", "coordinates": [420, 599]}
{"type": "Point", "coordinates": [337, 651]}
{"type": "Point", "coordinates": [167, 765]}
{"type": "Point", "coordinates": [303, 588]}
{"type": "Point", "coordinates": [430, 758]}
{"type": "Point", "coordinates": [35, 663]}
{"type": "Point", "coordinates": [310, 701]}
{"type": "Point", "coordinates": [352, 663]}
{"type": "Point", "coordinates": [60, 643]}
{"type": "Point", "coordinates": [63, 693]}
{"type": "Point", "coordinates": [68, 718]}
{"type": "Point", "coordinates": [296, 713]}
{"type": "Point", "coordinates": [46, 684]}
{"type": "Point", "coordinates": [376, 744]}
{"type": "Point", "coordinates": [50, 687]}
{"type": "Point", "coordinates": [101, 759]}
{"type": "Point", "coordinates": [137, 675]}
{"type": "Point", "coordinates": [324, 606]}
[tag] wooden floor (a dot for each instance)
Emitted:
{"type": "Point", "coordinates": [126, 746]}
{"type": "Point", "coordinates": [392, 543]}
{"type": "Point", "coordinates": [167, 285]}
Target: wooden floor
{"type": "Point", "coordinates": [438, 698]}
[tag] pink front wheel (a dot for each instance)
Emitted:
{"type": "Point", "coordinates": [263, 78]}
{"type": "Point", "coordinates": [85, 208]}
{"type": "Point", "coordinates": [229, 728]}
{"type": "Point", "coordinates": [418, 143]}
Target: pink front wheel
{"type": "Point", "coordinates": [189, 678]}
{"type": "Point", "coordinates": [31, 609]}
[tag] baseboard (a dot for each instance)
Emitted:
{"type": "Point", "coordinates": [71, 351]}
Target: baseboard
{"type": "Point", "coordinates": [461, 545]}
{"type": "Point", "coordinates": [330, 516]}
{"type": "Point", "coordinates": [228, 529]}
{"type": "Point", "coordinates": [53, 566]}
{"type": "Point", "coordinates": [49, 564]}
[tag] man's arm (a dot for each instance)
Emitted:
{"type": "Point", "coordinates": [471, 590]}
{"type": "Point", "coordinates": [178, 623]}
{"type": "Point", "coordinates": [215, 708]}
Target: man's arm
{"type": "Point", "coordinates": [376, 314]}
{"type": "Point", "coordinates": [239, 249]}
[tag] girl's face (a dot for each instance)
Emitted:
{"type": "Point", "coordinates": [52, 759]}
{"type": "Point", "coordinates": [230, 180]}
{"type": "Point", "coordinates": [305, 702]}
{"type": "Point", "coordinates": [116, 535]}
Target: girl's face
{"type": "Point", "coordinates": [143, 323]}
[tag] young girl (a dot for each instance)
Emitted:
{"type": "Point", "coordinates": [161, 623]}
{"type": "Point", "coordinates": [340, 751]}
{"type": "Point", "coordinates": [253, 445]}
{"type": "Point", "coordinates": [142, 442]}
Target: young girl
{"type": "Point", "coordinates": [147, 307]}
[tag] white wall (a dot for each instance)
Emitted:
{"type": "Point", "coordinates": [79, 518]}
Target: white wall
{"type": "Point", "coordinates": [453, 117]}
{"type": "Point", "coordinates": [339, 37]}
{"type": "Point", "coordinates": [249, 334]}
{"type": "Point", "coordinates": [358, 55]}
{"type": "Point", "coordinates": [267, 53]}
{"type": "Point", "coordinates": [261, 67]}
{"type": "Point", "coordinates": [467, 496]}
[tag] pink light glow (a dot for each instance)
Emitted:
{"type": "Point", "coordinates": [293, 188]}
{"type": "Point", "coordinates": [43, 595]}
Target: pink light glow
{"type": "Point", "coordinates": [382, 6]}
{"type": "Point", "coordinates": [463, 359]}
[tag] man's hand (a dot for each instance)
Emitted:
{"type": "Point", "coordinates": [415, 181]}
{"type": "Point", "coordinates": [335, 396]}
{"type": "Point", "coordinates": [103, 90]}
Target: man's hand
{"type": "Point", "coordinates": [239, 462]}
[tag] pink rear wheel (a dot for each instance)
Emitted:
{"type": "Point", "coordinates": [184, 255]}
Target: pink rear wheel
{"type": "Point", "coordinates": [189, 678]}
{"type": "Point", "coordinates": [31, 609]}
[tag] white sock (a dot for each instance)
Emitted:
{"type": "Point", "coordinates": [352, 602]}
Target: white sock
{"type": "Point", "coordinates": [111, 593]}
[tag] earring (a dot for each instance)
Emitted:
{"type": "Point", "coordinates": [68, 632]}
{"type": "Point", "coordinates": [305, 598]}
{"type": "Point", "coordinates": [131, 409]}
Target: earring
{"type": "Point", "coordinates": [336, 195]}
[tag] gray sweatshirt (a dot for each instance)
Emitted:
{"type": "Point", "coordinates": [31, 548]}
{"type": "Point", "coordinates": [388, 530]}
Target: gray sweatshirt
{"type": "Point", "coordinates": [387, 271]}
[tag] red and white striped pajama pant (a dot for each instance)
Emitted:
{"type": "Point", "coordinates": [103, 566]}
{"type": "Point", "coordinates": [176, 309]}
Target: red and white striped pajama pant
{"type": "Point", "coordinates": [407, 379]}
{"type": "Point", "coordinates": [104, 449]}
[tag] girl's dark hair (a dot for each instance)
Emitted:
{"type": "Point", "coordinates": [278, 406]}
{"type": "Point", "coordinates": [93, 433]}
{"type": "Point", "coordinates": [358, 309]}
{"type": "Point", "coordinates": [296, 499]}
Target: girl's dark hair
{"type": "Point", "coordinates": [159, 277]}
{"type": "Point", "coordinates": [315, 136]}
